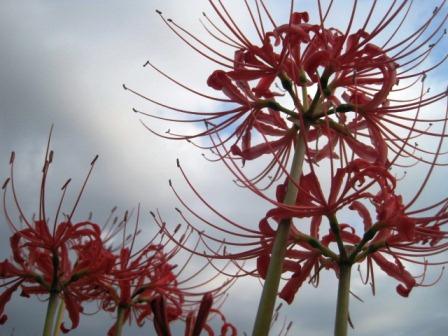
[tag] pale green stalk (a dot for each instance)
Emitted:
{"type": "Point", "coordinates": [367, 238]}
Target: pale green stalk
{"type": "Point", "coordinates": [59, 317]}
{"type": "Point", "coordinates": [49, 318]}
{"type": "Point", "coordinates": [119, 322]}
{"type": "Point", "coordinates": [271, 284]}
{"type": "Point", "coordinates": [341, 322]}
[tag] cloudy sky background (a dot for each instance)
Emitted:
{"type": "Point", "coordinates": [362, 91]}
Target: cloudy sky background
{"type": "Point", "coordinates": [63, 63]}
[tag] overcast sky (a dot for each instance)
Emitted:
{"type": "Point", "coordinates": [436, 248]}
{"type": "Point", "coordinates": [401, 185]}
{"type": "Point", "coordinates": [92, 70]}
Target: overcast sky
{"type": "Point", "coordinates": [64, 62]}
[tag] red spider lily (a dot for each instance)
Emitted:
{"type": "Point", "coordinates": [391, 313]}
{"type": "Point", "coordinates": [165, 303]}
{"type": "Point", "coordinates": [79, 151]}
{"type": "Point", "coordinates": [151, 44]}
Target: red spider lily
{"type": "Point", "coordinates": [132, 284]}
{"type": "Point", "coordinates": [139, 277]}
{"type": "Point", "coordinates": [194, 323]}
{"type": "Point", "coordinates": [33, 270]}
{"type": "Point", "coordinates": [347, 185]}
{"type": "Point", "coordinates": [352, 110]}
{"type": "Point", "coordinates": [55, 260]}
{"type": "Point", "coordinates": [397, 236]}
{"type": "Point", "coordinates": [355, 74]}
{"type": "Point", "coordinates": [134, 280]}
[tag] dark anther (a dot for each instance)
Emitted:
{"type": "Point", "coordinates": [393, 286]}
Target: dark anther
{"type": "Point", "coordinates": [5, 184]}
{"type": "Point", "coordinates": [94, 160]}
{"type": "Point", "coordinates": [66, 184]}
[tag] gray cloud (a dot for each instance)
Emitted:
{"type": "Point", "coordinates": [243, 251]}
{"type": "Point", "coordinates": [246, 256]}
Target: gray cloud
{"type": "Point", "coordinates": [63, 63]}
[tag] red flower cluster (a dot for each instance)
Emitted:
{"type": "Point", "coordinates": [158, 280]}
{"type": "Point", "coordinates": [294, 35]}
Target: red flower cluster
{"type": "Point", "coordinates": [340, 107]}
{"type": "Point", "coordinates": [72, 263]}
{"type": "Point", "coordinates": [353, 77]}
{"type": "Point", "coordinates": [57, 260]}
{"type": "Point", "coordinates": [391, 233]}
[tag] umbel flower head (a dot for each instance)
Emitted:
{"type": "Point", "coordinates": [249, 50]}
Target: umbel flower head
{"type": "Point", "coordinates": [52, 257]}
{"type": "Point", "coordinates": [144, 276]}
{"type": "Point", "coordinates": [357, 90]}
{"type": "Point", "coordinates": [385, 229]}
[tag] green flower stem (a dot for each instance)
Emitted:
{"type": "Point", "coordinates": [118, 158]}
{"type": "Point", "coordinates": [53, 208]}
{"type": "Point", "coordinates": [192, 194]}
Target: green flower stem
{"type": "Point", "coordinates": [368, 235]}
{"type": "Point", "coordinates": [120, 320]}
{"type": "Point", "coordinates": [302, 237]}
{"type": "Point", "coordinates": [341, 323]}
{"type": "Point", "coordinates": [271, 284]}
{"type": "Point", "coordinates": [288, 86]}
{"type": "Point", "coordinates": [59, 316]}
{"type": "Point", "coordinates": [272, 104]}
{"type": "Point", "coordinates": [323, 88]}
{"type": "Point", "coordinates": [334, 225]}
{"type": "Point", "coordinates": [372, 248]}
{"type": "Point", "coordinates": [51, 309]}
